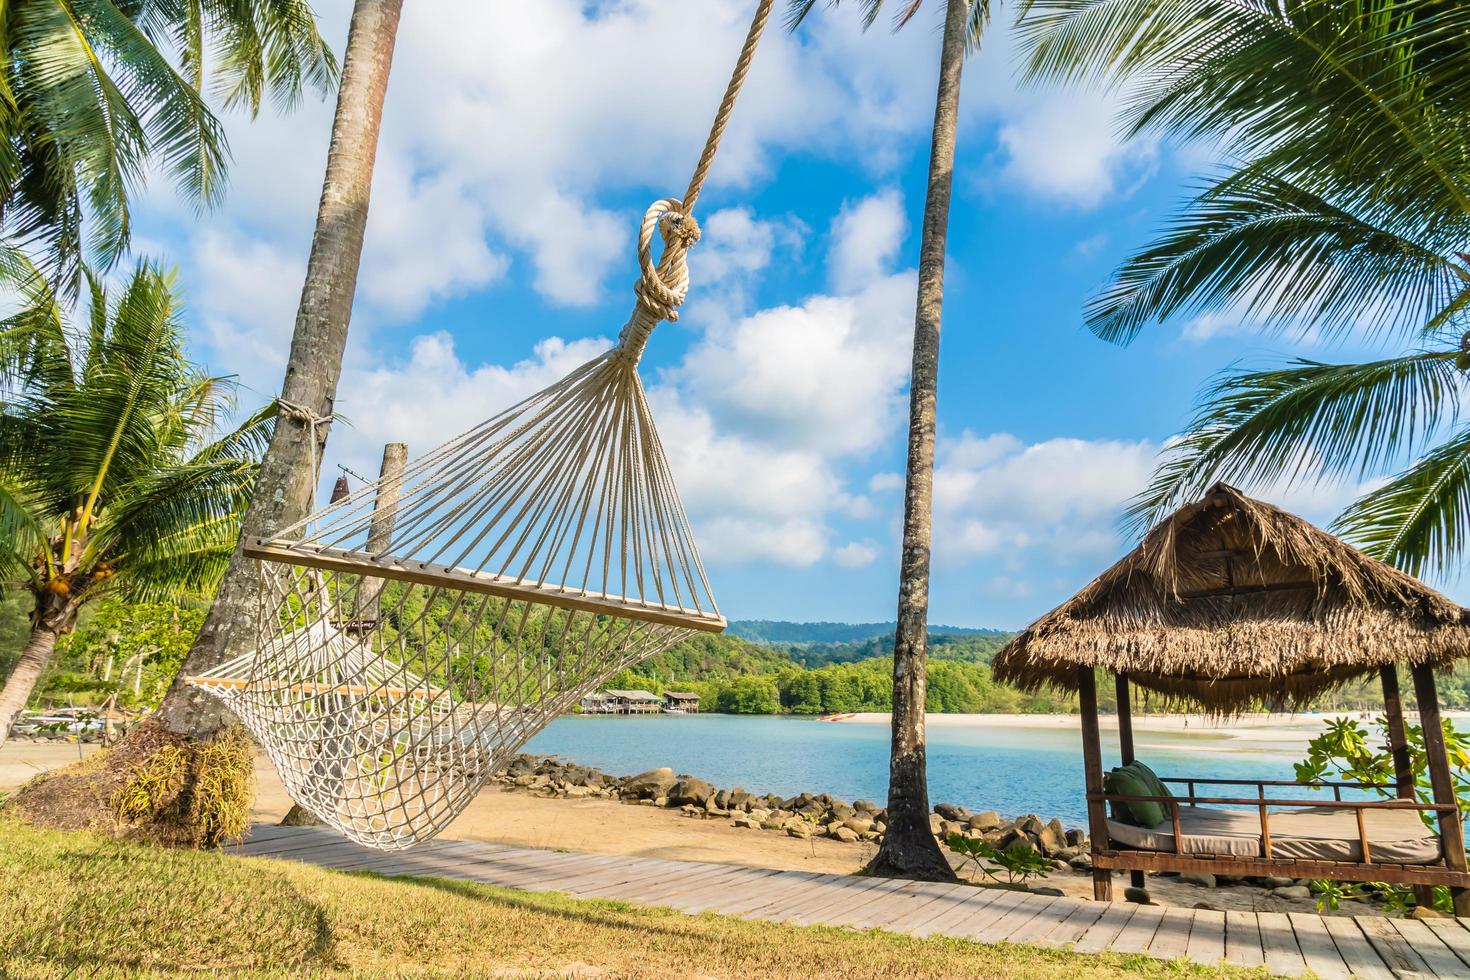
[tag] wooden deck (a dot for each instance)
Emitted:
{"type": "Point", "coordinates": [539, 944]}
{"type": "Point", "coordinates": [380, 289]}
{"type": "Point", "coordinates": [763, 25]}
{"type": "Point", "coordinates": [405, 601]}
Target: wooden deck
{"type": "Point", "coordinates": [1288, 944]}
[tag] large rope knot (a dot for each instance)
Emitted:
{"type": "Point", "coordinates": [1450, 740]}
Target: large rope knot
{"type": "Point", "coordinates": [662, 287]}
{"type": "Point", "coordinates": [678, 230]}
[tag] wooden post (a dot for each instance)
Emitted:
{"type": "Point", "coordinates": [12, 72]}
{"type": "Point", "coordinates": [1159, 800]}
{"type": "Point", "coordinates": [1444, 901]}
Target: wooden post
{"type": "Point", "coordinates": [1097, 821]}
{"type": "Point", "coordinates": [1125, 743]}
{"type": "Point", "coordinates": [1125, 718]}
{"type": "Point", "coordinates": [1398, 742]}
{"type": "Point", "coordinates": [1451, 829]}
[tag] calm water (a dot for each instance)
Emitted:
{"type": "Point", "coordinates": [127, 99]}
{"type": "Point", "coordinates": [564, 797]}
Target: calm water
{"type": "Point", "coordinates": [1012, 770]}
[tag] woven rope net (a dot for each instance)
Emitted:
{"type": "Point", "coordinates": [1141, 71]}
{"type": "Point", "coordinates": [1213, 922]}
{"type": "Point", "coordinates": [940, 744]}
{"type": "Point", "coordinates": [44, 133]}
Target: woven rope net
{"type": "Point", "coordinates": [412, 636]}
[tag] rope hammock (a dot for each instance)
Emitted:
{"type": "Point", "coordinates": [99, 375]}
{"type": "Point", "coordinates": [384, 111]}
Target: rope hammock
{"type": "Point", "coordinates": [413, 635]}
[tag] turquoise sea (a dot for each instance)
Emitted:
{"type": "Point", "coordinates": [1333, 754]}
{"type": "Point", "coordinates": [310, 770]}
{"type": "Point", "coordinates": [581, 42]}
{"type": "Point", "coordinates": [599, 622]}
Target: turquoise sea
{"type": "Point", "coordinates": [1012, 770]}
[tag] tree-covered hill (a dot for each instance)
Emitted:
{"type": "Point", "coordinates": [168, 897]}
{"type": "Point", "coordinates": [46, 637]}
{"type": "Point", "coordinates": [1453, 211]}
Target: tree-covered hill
{"type": "Point", "coordinates": [783, 632]}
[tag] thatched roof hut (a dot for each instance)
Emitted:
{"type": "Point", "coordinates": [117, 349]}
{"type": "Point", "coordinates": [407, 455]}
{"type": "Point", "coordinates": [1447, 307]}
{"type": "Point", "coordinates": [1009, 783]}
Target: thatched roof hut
{"type": "Point", "coordinates": [1233, 604]}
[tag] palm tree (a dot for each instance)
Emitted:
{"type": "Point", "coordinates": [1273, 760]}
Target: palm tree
{"type": "Point", "coordinates": [113, 480]}
{"type": "Point", "coordinates": [286, 486]}
{"type": "Point", "coordinates": [1343, 210]}
{"type": "Point", "coordinates": [89, 102]}
{"type": "Point", "coordinates": [908, 849]}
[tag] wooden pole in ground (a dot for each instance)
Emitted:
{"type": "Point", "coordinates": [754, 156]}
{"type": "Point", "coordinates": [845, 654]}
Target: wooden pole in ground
{"type": "Point", "coordinates": [1398, 742]}
{"type": "Point", "coordinates": [1451, 828]}
{"type": "Point", "coordinates": [1125, 743]}
{"type": "Point", "coordinates": [1097, 823]}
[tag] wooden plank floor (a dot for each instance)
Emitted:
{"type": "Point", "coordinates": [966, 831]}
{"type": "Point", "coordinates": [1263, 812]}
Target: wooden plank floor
{"type": "Point", "coordinates": [1291, 945]}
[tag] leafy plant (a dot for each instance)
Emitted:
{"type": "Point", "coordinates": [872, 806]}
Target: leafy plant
{"type": "Point", "coordinates": [1348, 751]}
{"type": "Point", "coordinates": [115, 479]}
{"type": "Point", "coordinates": [1331, 894]}
{"type": "Point", "coordinates": [1020, 861]}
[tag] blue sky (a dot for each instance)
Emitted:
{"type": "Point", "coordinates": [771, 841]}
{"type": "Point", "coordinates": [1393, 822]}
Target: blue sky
{"type": "Point", "coordinates": [522, 143]}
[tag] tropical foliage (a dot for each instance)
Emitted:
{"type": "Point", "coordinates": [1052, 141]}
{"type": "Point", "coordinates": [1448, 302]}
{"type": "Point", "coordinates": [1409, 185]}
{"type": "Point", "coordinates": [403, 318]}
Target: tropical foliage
{"type": "Point", "coordinates": [90, 102]}
{"type": "Point", "coordinates": [1343, 210]}
{"type": "Point", "coordinates": [1347, 751]}
{"type": "Point", "coordinates": [114, 477]}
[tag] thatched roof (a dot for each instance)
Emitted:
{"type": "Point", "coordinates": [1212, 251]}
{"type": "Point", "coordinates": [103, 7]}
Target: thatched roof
{"type": "Point", "coordinates": [1233, 604]}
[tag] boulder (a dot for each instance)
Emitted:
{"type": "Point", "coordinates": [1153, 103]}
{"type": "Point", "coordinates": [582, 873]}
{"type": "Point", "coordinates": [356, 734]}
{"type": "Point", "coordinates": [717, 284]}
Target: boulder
{"type": "Point", "coordinates": [1047, 890]}
{"type": "Point", "coordinates": [1082, 862]}
{"type": "Point", "coordinates": [857, 824]}
{"type": "Point", "coordinates": [989, 820]}
{"type": "Point", "coordinates": [740, 799]}
{"type": "Point", "coordinates": [950, 811]}
{"type": "Point", "coordinates": [1138, 895]}
{"type": "Point", "coordinates": [1076, 838]}
{"type": "Point", "coordinates": [841, 811]}
{"type": "Point", "coordinates": [1052, 838]}
{"type": "Point", "coordinates": [651, 784]}
{"type": "Point", "coordinates": [1292, 891]}
{"type": "Point", "coordinates": [715, 811]}
{"type": "Point", "coordinates": [797, 827]}
{"type": "Point", "coordinates": [865, 806]}
{"type": "Point", "coordinates": [757, 814]}
{"type": "Point", "coordinates": [1030, 824]}
{"type": "Point", "coordinates": [744, 821]}
{"type": "Point", "coordinates": [688, 790]}
{"type": "Point", "coordinates": [1275, 881]}
{"type": "Point", "coordinates": [771, 823]}
{"type": "Point", "coordinates": [722, 799]}
{"type": "Point", "coordinates": [936, 825]}
{"type": "Point", "coordinates": [846, 834]}
{"type": "Point", "coordinates": [1425, 912]}
{"type": "Point", "coordinates": [1201, 878]}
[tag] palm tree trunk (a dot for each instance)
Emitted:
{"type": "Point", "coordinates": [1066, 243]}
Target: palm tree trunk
{"type": "Point", "coordinates": [286, 484]}
{"type": "Point", "coordinates": [22, 680]}
{"type": "Point", "coordinates": [909, 849]}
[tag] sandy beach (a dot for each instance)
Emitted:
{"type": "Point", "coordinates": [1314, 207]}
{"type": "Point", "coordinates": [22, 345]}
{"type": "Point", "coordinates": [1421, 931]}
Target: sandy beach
{"type": "Point", "coordinates": [1274, 729]}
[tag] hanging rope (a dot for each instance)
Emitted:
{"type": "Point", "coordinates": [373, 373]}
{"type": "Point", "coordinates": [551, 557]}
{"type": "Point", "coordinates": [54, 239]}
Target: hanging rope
{"type": "Point", "coordinates": [661, 289]}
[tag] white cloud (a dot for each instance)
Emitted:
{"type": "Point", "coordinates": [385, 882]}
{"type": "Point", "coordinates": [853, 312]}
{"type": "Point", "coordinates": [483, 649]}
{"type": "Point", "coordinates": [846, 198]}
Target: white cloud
{"type": "Point", "coordinates": [866, 237]}
{"type": "Point", "coordinates": [432, 395]}
{"type": "Point", "coordinates": [885, 482]}
{"type": "Point", "coordinates": [1067, 148]}
{"type": "Point", "coordinates": [504, 139]}
{"type": "Point", "coordinates": [1060, 498]}
{"type": "Point", "coordinates": [856, 554]}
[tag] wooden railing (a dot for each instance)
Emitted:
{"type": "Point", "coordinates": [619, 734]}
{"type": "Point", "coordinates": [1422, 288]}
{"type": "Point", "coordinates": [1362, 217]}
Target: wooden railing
{"type": "Point", "coordinates": [1261, 802]}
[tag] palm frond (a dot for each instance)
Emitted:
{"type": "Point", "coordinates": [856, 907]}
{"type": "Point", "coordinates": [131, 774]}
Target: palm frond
{"type": "Point", "coordinates": [1307, 421]}
{"type": "Point", "coordinates": [1283, 257]}
{"type": "Point", "coordinates": [1420, 520]}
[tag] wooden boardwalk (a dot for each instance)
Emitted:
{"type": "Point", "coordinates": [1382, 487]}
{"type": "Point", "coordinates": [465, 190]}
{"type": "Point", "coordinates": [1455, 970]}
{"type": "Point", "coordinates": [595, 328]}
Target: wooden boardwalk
{"type": "Point", "coordinates": [1288, 944]}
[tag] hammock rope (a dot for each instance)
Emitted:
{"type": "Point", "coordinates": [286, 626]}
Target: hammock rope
{"type": "Point", "coordinates": [414, 634]}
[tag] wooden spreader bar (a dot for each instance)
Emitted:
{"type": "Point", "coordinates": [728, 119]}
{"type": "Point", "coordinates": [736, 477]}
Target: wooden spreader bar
{"type": "Point", "coordinates": [468, 580]}
{"type": "Point", "coordinates": [236, 683]}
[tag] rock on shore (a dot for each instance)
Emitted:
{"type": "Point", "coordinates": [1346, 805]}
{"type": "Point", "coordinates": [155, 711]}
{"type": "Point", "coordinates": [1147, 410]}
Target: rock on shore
{"type": "Point", "coordinates": [804, 815]}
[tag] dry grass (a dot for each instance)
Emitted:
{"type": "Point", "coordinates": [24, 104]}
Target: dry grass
{"type": "Point", "coordinates": [153, 785]}
{"type": "Point", "coordinates": [102, 907]}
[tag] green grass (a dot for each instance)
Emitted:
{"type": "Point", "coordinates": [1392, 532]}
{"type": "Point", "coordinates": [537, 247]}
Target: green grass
{"type": "Point", "coordinates": [84, 905]}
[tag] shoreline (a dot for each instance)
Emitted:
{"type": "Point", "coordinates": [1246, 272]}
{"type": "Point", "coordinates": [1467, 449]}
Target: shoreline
{"type": "Point", "coordinates": [1299, 727]}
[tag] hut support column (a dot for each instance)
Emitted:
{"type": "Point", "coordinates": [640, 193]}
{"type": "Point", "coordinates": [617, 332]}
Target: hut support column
{"type": "Point", "coordinates": [1398, 748]}
{"type": "Point", "coordinates": [1097, 824]}
{"type": "Point", "coordinates": [1125, 743]}
{"type": "Point", "coordinates": [1398, 742]}
{"type": "Point", "coordinates": [1451, 830]}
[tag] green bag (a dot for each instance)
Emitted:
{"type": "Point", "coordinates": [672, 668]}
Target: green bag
{"type": "Point", "coordinates": [1137, 779]}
